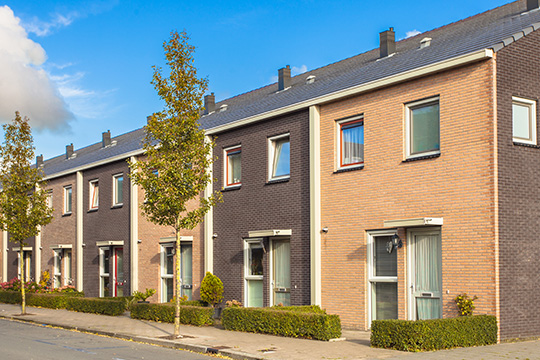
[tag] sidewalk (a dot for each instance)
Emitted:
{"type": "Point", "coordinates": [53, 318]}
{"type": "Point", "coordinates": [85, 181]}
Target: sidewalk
{"type": "Point", "coordinates": [238, 345]}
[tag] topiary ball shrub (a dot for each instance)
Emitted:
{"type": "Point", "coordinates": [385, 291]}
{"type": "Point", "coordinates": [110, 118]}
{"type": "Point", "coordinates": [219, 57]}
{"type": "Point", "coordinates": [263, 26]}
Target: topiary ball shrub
{"type": "Point", "coordinates": [211, 289]}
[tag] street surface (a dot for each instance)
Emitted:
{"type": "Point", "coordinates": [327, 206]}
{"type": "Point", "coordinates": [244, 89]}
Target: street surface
{"type": "Point", "coordinates": [27, 341]}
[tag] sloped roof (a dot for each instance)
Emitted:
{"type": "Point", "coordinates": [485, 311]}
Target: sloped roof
{"type": "Point", "coordinates": [492, 29]}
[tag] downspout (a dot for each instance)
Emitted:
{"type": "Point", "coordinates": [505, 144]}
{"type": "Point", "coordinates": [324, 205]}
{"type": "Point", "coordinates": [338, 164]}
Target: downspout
{"type": "Point", "coordinates": [79, 232]}
{"type": "Point", "coordinates": [209, 219]}
{"type": "Point", "coordinates": [315, 204]}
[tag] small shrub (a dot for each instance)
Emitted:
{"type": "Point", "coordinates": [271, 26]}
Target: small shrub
{"type": "Point", "coordinates": [142, 296]}
{"type": "Point", "coordinates": [465, 304]}
{"type": "Point", "coordinates": [233, 303]}
{"type": "Point", "coordinates": [189, 315]}
{"type": "Point", "coordinates": [211, 289]}
{"type": "Point", "coordinates": [436, 334]}
{"type": "Point", "coordinates": [306, 322]}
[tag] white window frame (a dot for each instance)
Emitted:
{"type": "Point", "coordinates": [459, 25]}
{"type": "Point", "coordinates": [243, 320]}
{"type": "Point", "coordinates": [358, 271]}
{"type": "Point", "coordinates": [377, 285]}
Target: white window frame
{"type": "Point", "coordinates": [115, 190]}
{"type": "Point", "coordinates": [226, 166]}
{"type": "Point", "coordinates": [50, 199]}
{"type": "Point", "coordinates": [163, 267]}
{"type": "Point", "coordinates": [27, 264]}
{"type": "Point", "coordinates": [271, 153]}
{"type": "Point", "coordinates": [67, 266]}
{"type": "Point", "coordinates": [92, 185]}
{"type": "Point", "coordinates": [409, 107]}
{"type": "Point", "coordinates": [371, 271]}
{"type": "Point", "coordinates": [248, 277]}
{"type": "Point", "coordinates": [531, 104]}
{"type": "Point", "coordinates": [102, 273]}
{"type": "Point", "coordinates": [57, 268]}
{"type": "Point", "coordinates": [339, 137]}
{"type": "Point", "coordinates": [68, 205]}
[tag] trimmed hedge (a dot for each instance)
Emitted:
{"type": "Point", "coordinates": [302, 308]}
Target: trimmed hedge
{"type": "Point", "coordinates": [63, 301]}
{"type": "Point", "coordinates": [189, 315]}
{"type": "Point", "coordinates": [436, 334]}
{"type": "Point", "coordinates": [302, 321]}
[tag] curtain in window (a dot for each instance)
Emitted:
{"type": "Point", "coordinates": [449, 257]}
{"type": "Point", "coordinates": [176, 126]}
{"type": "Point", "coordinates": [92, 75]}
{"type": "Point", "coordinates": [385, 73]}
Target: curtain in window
{"type": "Point", "coordinates": [427, 250]}
{"type": "Point", "coordinates": [119, 190]}
{"type": "Point", "coordinates": [234, 159]}
{"type": "Point", "coordinates": [521, 121]}
{"type": "Point", "coordinates": [255, 293]}
{"type": "Point", "coordinates": [352, 146]}
{"type": "Point", "coordinates": [187, 278]}
{"type": "Point", "coordinates": [282, 272]}
{"type": "Point", "coordinates": [281, 165]}
{"type": "Point", "coordinates": [425, 128]}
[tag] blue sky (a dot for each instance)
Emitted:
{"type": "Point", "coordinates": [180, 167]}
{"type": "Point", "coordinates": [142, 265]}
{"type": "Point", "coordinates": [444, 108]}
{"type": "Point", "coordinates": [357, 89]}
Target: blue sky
{"type": "Point", "coordinates": [79, 68]}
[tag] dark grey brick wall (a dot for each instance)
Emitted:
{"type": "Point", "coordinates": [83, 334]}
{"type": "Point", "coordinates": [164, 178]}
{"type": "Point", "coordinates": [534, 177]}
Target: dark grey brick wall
{"type": "Point", "coordinates": [107, 223]}
{"type": "Point", "coordinates": [518, 74]}
{"type": "Point", "coordinates": [261, 206]}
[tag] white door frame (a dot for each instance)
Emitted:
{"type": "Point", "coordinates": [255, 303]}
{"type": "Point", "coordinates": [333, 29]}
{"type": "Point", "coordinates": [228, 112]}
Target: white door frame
{"type": "Point", "coordinates": [411, 299]}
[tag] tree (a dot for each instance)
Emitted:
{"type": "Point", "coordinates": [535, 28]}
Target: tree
{"type": "Point", "coordinates": [23, 203]}
{"type": "Point", "coordinates": [175, 171]}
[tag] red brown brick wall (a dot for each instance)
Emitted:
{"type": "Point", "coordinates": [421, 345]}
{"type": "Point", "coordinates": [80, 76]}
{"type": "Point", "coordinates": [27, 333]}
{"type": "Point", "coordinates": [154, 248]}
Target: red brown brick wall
{"type": "Point", "coordinates": [457, 186]}
{"type": "Point", "coordinates": [518, 74]}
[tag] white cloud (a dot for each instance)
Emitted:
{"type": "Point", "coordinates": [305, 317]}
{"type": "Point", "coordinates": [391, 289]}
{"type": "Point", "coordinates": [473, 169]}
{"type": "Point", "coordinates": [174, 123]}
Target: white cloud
{"type": "Point", "coordinates": [24, 85]}
{"type": "Point", "coordinates": [411, 33]}
{"type": "Point", "coordinates": [298, 70]}
{"type": "Point", "coordinates": [44, 28]}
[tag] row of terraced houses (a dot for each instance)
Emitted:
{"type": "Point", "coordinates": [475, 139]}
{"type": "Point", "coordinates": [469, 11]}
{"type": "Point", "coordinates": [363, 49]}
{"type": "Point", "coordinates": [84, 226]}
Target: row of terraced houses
{"type": "Point", "coordinates": [378, 187]}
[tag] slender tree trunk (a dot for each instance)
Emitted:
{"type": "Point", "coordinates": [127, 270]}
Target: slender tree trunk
{"type": "Point", "coordinates": [21, 265]}
{"type": "Point", "coordinates": [178, 285]}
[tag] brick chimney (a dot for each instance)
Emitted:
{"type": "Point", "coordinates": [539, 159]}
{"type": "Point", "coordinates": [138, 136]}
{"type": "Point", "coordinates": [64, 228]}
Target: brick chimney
{"type": "Point", "coordinates": [532, 4]}
{"type": "Point", "coordinates": [387, 42]}
{"type": "Point", "coordinates": [69, 151]}
{"type": "Point", "coordinates": [284, 76]}
{"type": "Point", "coordinates": [106, 138]}
{"type": "Point", "coordinates": [209, 103]}
{"type": "Point", "coordinates": [39, 161]}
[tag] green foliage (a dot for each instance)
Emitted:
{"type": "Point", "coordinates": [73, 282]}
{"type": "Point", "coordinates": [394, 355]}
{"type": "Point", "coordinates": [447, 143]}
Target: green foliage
{"type": "Point", "coordinates": [211, 289]}
{"type": "Point", "coordinates": [142, 296]}
{"type": "Point", "coordinates": [465, 304]}
{"type": "Point", "coordinates": [10, 297]}
{"type": "Point", "coordinates": [303, 308]}
{"type": "Point", "coordinates": [190, 315]}
{"type": "Point", "coordinates": [23, 204]}
{"type": "Point", "coordinates": [199, 303]}
{"type": "Point", "coordinates": [96, 306]}
{"type": "Point", "coordinates": [307, 323]}
{"type": "Point", "coordinates": [437, 334]}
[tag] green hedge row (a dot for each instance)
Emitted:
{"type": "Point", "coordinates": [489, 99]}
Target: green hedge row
{"type": "Point", "coordinates": [307, 322]}
{"type": "Point", "coordinates": [76, 303]}
{"type": "Point", "coordinates": [189, 315]}
{"type": "Point", "coordinates": [437, 334]}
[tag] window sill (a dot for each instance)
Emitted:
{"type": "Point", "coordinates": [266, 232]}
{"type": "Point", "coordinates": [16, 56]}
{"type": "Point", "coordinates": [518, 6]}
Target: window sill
{"type": "Point", "coordinates": [278, 181]}
{"type": "Point", "coordinates": [117, 206]}
{"type": "Point", "coordinates": [422, 157]}
{"type": "Point", "coordinates": [517, 143]}
{"type": "Point", "coordinates": [93, 210]}
{"type": "Point", "coordinates": [66, 214]}
{"type": "Point", "coordinates": [232, 188]}
{"type": "Point", "coordinates": [347, 169]}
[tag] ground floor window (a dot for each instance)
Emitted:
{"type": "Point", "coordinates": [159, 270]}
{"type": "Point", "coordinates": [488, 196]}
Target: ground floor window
{"type": "Point", "coordinates": [27, 263]}
{"type": "Point", "coordinates": [104, 272]}
{"type": "Point", "coordinates": [167, 271]}
{"type": "Point", "coordinates": [62, 272]}
{"type": "Point", "coordinates": [281, 272]}
{"type": "Point", "coordinates": [254, 272]}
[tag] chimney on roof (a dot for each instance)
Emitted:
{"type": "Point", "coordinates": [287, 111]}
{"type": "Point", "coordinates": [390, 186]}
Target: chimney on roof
{"type": "Point", "coordinates": [39, 161]}
{"type": "Point", "coordinates": [106, 138]}
{"type": "Point", "coordinates": [532, 4]}
{"type": "Point", "coordinates": [284, 76]}
{"type": "Point", "coordinates": [69, 151]}
{"type": "Point", "coordinates": [387, 42]}
{"type": "Point", "coordinates": [209, 103]}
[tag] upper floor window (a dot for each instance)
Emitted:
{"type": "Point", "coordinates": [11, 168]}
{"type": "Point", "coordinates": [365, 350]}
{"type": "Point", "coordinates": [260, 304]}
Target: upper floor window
{"type": "Point", "coordinates": [68, 191]}
{"type": "Point", "coordinates": [524, 120]}
{"type": "Point", "coordinates": [118, 195]}
{"type": "Point", "coordinates": [422, 125]}
{"type": "Point", "coordinates": [351, 142]}
{"type": "Point", "coordinates": [50, 199]}
{"type": "Point", "coordinates": [94, 194]}
{"type": "Point", "coordinates": [233, 166]}
{"type": "Point", "coordinates": [279, 157]}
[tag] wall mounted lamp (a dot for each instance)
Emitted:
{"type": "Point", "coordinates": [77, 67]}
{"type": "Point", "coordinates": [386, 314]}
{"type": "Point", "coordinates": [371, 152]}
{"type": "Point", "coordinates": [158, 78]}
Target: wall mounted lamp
{"type": "Point", "coordinates": [325, 229]}
{"type": "Point", "coordinates": [139, 241]}
{"type": "Point", "coordinates": [394, 243]}
{"type": "Point", "coordinates": [214, 236]}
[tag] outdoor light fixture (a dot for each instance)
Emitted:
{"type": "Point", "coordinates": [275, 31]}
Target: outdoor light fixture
{"type": "Point", "coordinates": [139, 241]}
{"type": "Point", "coordinates": [214, 236]}
{"type": "Point", "coordinates": [325, 229]}
{"type": "Point", "coordinates": [394, 243]}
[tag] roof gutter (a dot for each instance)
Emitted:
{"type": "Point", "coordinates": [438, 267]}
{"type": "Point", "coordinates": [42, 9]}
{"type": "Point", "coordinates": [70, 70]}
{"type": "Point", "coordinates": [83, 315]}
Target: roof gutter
{"type": "Point", "coordinates": [376, 84]}
{"type": "Point", "coordinates": [95, 164]}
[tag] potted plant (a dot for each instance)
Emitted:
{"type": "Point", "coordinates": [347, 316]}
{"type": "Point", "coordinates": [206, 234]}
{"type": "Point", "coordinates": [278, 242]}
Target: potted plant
{"type": "Point", "coordinates": [212, 292]}
{"type": "Point", "coordinates": [142, 296]}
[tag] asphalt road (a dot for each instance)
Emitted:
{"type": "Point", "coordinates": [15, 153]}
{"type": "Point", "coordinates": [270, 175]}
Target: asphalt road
{"type": "Point", "coordinates": [28, 341]}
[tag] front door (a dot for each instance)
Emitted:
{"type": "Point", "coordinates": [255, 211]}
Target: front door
{"type": "Point", "coordinates": [425, 274]}
{"type": "Point", "coordinates": [118, 277]}
{"type": "Point", "coordinates": [281, 272]}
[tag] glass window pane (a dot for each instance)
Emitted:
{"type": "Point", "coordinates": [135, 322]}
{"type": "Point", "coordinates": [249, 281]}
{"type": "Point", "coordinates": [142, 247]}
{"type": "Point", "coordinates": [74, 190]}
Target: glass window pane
{"type": "Point", "coordinates": [105, 268]}
{"type": "Point", "coordinates": [119, 190]}
{"type": "Point", "coordinates": [169, 260]}
{"type": "Point", "coordinates": [67, 267]}
{"type": "Point", "coordinates": [94, 194]}
{"type": "Point", "coordinates": [169, 289]}
{"type": "Point", "coordinates": [68, 200]}
{"type": "Point", "coordinates": [385, 264]}
{"type": "Point", "coordinates": [385, 300]}
{"type": "Point", "coordinates": [105, 286]}
{"type": "Point", "coordinates": [186, 254]}
{"type": "Point", "coordinates": [427, 272]}
{"type": "Point", "coordinates": [255, 293]}
{"type": "Point", "coordinates": [521, 121]}
{"type": "Point", "coordinates": [281, 164]}
{"type": "Point", "coordinates": [119, 264]}
{"type": "Point", "coordinates": [352, 147]}
{"type": "Point", "coordinates": [256, 253]}
{"type": "Point", "coordinates": [425, 128]}
{"type": "Point", "coordinates": [234, 167]}
{"type": "Point", "coordinates": [427, 308]}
